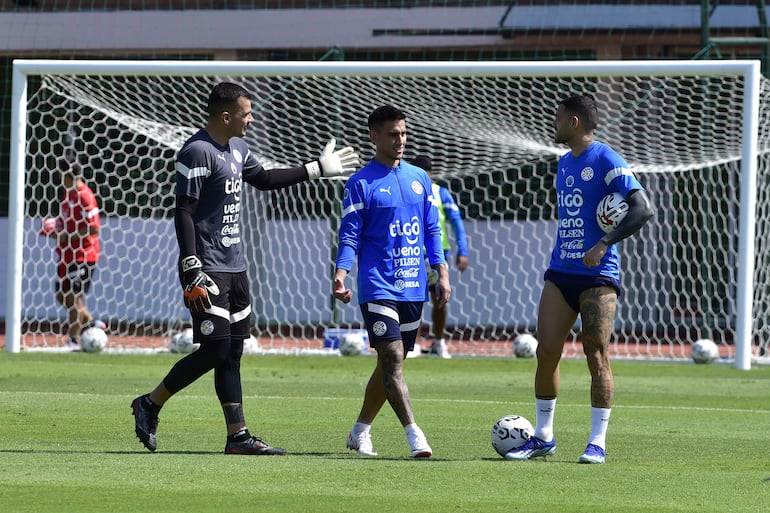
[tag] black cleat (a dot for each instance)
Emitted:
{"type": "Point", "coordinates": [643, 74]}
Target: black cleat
{"type": "Point", "coordinates": [146, 422]}
{"type": "Point", "coordinates": [252, 446]}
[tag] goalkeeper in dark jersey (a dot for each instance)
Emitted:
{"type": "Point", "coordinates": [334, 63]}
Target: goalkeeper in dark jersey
{"type": "Point", "coordinates": [391, 224]}
{"type": "Point", "coordinates": [210, 170]}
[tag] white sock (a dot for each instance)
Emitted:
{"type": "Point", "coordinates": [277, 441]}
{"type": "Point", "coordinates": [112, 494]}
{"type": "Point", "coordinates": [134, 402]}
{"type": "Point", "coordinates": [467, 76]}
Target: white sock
{"type": "Point", "coordinates": [360, 427]}
{"type": "Point", "coordinates": [413, 431]}
{"type": "Point", "coordinates": [600, 419]}
{"type": "Point", "coordinates": [544, 425]}
{"type": "Point", "coordinates": [414, 436]}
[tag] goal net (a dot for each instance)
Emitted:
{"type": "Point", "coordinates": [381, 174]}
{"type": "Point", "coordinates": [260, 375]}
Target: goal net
{"type": "Point", "coordinates": [682, 126]}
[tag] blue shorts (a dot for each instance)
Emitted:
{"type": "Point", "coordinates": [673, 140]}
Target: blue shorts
{"type": "Point", "coordinates": [572, 285]}
{"type": "Point", "coordinates": [387, 320]}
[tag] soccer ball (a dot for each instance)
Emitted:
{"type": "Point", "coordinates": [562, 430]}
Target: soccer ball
{"type": "Point", "coordinates": [610, 211]}
{"type": "Point", "coordinates": [351, 344]}
{"type": "Point", "coordinates": [510, 432]}
{"type": "Point", "coordinates": [251, 345]}
{"type": "Point", "coordinates": [182, 342]}
{"type": "Point", "coordinates": [93, 340]}
{"type": "Point", "coordinates": [524, 346]}
{"type": "Point", "coordinates": [704, 351]}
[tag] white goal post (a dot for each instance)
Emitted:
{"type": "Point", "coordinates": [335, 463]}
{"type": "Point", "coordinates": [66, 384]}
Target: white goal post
{"type": "Point", "coordinates": [691, 130]}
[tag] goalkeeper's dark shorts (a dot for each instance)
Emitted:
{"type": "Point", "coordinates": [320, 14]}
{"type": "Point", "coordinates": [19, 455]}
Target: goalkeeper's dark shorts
{"type": "Point", "coordinates": [572, 285]}
{"type": "Point", "coordinates": [74, 277]}
{"type": "Point", "coordinates": [230, 312]}
{"type": "Point", "coordinates": [388, 320]}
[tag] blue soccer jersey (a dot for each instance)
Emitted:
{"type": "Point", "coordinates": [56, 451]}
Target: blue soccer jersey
{"type": "Point", "coordinates": [213, 175]}
{"type": "Point", "coordinates": [581, 182]}
{"type": "Point", "coordinates": [390, 220]}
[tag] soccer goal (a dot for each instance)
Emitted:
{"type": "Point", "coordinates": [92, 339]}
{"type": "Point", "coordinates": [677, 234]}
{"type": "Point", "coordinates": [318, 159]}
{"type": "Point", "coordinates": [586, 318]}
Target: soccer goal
{"type": "Point", "coordinates": [696, 134]}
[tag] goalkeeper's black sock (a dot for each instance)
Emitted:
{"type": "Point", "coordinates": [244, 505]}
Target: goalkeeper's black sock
{"type": "Point", "coordinates": [239, 436]}
{"type": "Point", "coordinates": [151, 405]}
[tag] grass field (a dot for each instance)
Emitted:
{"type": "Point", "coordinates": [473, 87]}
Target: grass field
{"type": "Point", "coordinates": [683, 438]}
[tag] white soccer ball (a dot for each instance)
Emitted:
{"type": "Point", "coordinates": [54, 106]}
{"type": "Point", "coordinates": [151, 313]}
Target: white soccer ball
{"type": "Point", "coordinates": [704, 351]}
{"type": "Point", "coordinates": [610, 211]}
{"type": "Point", "coordinates": [251, 345]}
{"type": "Point", "coordinates": [182, 342]}
{"type": "Point", "coordinates": [524, 346]}
{"type": "Point", "coordinates": [93, 340]}
{"type": "Point", "coordinates": [510, 432]}
{"type": "Point", "coordinates": [351, 344]}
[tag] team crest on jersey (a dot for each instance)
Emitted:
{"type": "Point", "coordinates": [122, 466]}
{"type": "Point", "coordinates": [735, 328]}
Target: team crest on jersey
{"type": "Point", "coordinates": [237, 156]}
{"type": "Point", "coordinates": [379, 328]}
{"type": "Point", "coordinates": [417, 187]}
{"type": "Point", "coordinates": [586, 174]}
{"type": "Point", "coordinates": [207, 328]}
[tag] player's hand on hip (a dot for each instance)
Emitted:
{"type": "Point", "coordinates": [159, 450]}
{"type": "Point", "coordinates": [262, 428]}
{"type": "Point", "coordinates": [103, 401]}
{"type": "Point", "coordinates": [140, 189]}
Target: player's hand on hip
{"type": "Point", "coordinates": [594, 256]}
{"type": "Point", "coordinates": [342, 162]}
{"type": "Point", "coordinates": [196, 285]}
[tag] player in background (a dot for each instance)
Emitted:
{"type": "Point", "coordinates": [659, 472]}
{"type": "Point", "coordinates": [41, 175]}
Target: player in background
{"type": "Point", "coordinates": [447, 210]}
{"type": "Point", "coordinates": [76, 231]}
{"type": "Point", "coordinates": [390, 223]}
{"type": "Point", "coordinates": [210, 170]}
{"type": "Point", "coordinates": [583, 276]}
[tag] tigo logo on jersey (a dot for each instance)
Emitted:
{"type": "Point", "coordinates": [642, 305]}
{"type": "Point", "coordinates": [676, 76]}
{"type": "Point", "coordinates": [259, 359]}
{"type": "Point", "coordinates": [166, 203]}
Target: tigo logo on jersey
{"type": "Point", "coordinates": [410, 230]}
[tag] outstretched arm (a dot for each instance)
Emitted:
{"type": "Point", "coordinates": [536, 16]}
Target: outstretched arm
{"type": "Point", "coordinates": [331, 163]}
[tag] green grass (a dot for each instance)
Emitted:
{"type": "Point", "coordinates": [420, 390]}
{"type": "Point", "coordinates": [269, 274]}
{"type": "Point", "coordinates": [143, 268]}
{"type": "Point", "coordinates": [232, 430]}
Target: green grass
{"type": "Point", "coordinates": [683, 438]}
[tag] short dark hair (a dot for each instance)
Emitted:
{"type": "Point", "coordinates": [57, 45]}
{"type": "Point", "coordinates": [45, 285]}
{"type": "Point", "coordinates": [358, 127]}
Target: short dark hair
{"type": "Point", "coordinates": [224, 95]}
{"type": "Point", "coordinates": [584, 108]}
{"type": "Point", "coordinates": [71, 166]}
{"type": "Point", "coordinates": [422, 161]}
{"type": "Point", "coordinates": [385, 113]}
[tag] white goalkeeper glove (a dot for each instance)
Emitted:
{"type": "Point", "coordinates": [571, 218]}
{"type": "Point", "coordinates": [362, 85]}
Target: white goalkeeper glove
{"type": "Point", "coordinates": [196, 284]}
{"type": "Point", "coordinates": [332, 163]}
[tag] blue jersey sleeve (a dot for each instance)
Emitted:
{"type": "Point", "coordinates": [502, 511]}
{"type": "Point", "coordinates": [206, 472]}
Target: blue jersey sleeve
{"type": "Point", "coordinates": [452, 213]}
{"type": "Point", "coordinates": [350, 228]}
{"type": "Point", "coordinates": [433, 243]}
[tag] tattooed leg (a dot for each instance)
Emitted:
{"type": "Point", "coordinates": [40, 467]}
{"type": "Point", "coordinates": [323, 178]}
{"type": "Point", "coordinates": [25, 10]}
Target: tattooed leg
{"type": "Point", "coordinates": [597, 310]}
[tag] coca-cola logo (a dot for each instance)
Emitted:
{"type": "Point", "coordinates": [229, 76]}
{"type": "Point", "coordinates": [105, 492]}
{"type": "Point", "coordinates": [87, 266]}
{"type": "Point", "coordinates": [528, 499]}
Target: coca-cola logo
{"type": "Point", "coordinates": [231, 229]}
{"type": "Point", "coordinates": [407, 273]}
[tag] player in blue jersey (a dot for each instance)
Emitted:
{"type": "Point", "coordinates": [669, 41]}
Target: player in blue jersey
{"type": "Point", "coordinates": [447, 211]}
{"type": "Point", "coordinates": [390, 223]}
{"type": "Point", "coordinates": [583, 276]}
{"type": "Point", "coordinates": [210, 170]}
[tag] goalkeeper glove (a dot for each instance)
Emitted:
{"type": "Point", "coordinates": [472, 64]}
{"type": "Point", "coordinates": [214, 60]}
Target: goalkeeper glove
{"type": "Point", "coordinates": [332, 163]}
{"type": "Point", "coordinates": [196, 284]}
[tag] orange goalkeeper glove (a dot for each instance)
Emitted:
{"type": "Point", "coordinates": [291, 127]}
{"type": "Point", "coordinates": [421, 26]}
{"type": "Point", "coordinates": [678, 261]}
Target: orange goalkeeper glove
{"type": "Point", "coordinates": [196, 284]}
